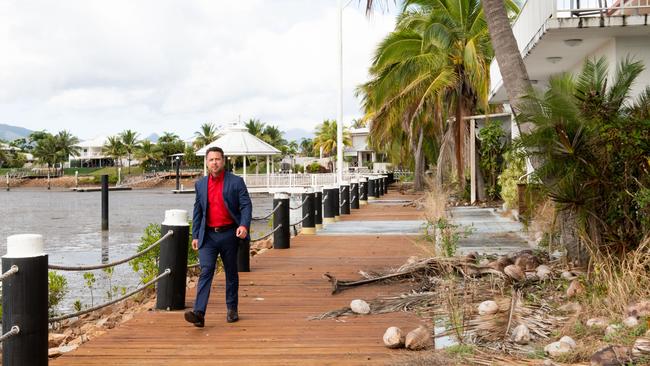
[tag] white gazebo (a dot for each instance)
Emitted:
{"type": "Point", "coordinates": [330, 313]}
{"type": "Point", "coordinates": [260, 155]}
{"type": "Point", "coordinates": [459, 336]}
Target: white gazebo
{"type": "Point", "coordinates": [237, 141]}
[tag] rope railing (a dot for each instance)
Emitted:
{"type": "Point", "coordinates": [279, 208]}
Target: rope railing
{"type": "Point", "coordinates": [269, 215]}
{"type": "Point", "coordinates": [353, 198]}
{"type": "Point", "coordinates": [112, 264]}
{"type": "Point", "coordinates": [14, 331]}
{"type": "Point", "coordinates": [167, 272]}
{"type": "Point", "coordinates": [9, 273]}
{"type": "Point", "coordinates": [267, 235]}
{"type": "Point", "coordinates": [343, 203]}
{"type": "Point", "coordinates": [301, 220]}
{"type": "Point", "coordinates": [325, 197]}
{"type": "Point", "coordinates": [300, 205]}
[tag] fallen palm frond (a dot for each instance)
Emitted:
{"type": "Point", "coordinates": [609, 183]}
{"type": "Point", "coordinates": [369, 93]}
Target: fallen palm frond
{"type": "Point", "coordinates": [484, 358]}
{"type": "Point", "coordinates": [422, 268]}
{"type": "Point", "coordinates": [405, 302]}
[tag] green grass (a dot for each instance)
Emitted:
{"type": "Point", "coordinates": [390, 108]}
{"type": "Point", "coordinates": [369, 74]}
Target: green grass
{"type": "Point", "coordinates": [460, 350]}
{"type": "Point", "coordinates": [82, 171]}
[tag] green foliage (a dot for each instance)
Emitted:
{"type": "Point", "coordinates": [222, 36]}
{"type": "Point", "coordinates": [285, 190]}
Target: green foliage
{"type": "Point", "coordinates": [191, 160]}
{"type": "Point", "coordinates": [58, 288]}
{"type": "Point", "coordinates": [77, 305]}
{"type": "Point", "coordinates": [90, 279]}
{"type": "Point", "coordinates": [315, 167]}
{"type": "Point", "coordinates": [592, 146]}
{"type": "Point", "coordinates": [460, 350]}
{"type": "Point", "coordinates": [515, 168]}
{"type": "Point", "coordinates": [147, 264]}
{"type": "Point", "coordinates": [491, 150]}
{"type": "Point", "coordinates": [444, 235]}
{"type": "Point", "coordinates": [326, 137]}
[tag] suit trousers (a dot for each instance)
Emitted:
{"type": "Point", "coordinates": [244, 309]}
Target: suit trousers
{"type": "Point", "coordinates": [216, 244]}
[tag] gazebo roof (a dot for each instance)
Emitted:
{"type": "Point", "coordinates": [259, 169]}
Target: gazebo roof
{"type": "Point", "coordinates": [237, 141]}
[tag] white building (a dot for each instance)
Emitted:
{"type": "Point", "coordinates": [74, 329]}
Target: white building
{"type": "Point", "coordinates": [362, 155]}
{"type": "Point", "coordinates": [556, 36]}
{"type": "Point", "coordinates": [90, 154]}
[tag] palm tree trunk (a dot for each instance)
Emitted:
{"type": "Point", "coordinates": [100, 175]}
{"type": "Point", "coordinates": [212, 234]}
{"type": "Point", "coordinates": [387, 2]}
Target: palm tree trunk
{"type": "Point", "coordinates": [418, 174]}
{"type": "Point", "coordinates": [459, 140]}
{"type": "Point", "coordinates": [511, 64]}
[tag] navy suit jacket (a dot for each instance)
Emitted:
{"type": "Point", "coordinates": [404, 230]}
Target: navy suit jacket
{"type": "Point", "coordinates": [235, 196]}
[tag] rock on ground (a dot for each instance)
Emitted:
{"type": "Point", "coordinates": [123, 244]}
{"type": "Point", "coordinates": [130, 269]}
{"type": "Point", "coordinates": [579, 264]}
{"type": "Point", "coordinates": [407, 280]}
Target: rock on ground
{"type": "Point", "coordinates": [611, 356]}
{"type": "Point", "coordinates": [394, 338]}
{"type": "Point", "coordinates": [488, 307]}
{"type": "Point", "coordinates": [419, 338]}
{"type": "Point", "coordinates": [360, 307]}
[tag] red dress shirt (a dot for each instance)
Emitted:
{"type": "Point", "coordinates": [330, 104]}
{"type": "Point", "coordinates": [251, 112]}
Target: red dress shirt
{"type": "Point", "coordinates": [218, 214]}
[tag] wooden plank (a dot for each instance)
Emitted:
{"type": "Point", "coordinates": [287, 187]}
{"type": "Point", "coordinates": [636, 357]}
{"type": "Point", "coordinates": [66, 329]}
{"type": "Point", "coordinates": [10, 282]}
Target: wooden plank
{"type": "Point", "coordinates": [284, 288]}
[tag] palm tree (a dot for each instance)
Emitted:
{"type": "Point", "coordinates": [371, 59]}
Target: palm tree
{"type": "Point", "coordinates": [131, 144]}
{"type": "Point", "coordinates": [511, 64]}
{"type": "Point", "coordinates": [273, 136]}
{"type": "Point", "coordinates": [326, 137]}
{"type": "Point", "coordinates": [205, 135]}
{"type": "Point", "coordinates": [115, 149]}
{"type": "Point", "coordinates": [170, 144]}
{"type": "Point", "coordinates": [591, 145]}
{"type": "Point", "coordinates": [358, 123]}
{"type": "Point", "coordinates": [403, 98]}
{"type": "Point", "coordinates": [66, 146]}
{"type": "Point", "coordinates": [148, 153]}
{"type": "Point", "coordinates": [306, 146]}
{"type": "Point", "coordinates": [168, 138]}
{"type": "Point", "coordinates": [47, 151]}
{"type": "Point", "coordinates": [255, 127]}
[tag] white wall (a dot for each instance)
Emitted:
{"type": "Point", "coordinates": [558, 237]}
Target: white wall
{"type": "Point", "coordinates": [639, 49]}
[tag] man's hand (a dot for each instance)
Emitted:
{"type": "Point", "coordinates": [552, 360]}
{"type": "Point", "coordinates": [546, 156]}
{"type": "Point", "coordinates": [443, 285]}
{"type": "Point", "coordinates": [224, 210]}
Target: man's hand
{"type": "Point", "coordinates": [241, 232]}
{"type": "Point", "coordinates": [195, 244]}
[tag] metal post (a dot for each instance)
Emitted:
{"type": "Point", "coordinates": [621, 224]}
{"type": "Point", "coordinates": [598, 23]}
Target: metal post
{"type": "Point", "coordinates": [24, 302]}
{"type": "Point", "coordinates": [328, 206]}
{"type": "Point", "coordinates": [48, 179]}
{"type": "Point", "coordinates": [76, 179]}
{"type": "Point", "coordinates": [371, 188]}
{"type": "Point", "coordinates": [309, 222]}
{"type": "Point", "coordinates": [354, 193]}
{"type": "Point", "coordinates": [381, 186]}
{"type": "Point", "coordinates": [170, 291]}
{"type": "Point", "coordinates": [178, 173]}
{"type": "Point", "coordinates": [105, 202]}
{"type": "Point", "coordinates": [318, 207]}
{"type": "Point", "coordinates": [336, 190]}
{"type": "Point", "coordinates": [345, 198]}
{"type": "Point", "coordinates": [281, 236]}
{"type": "Point", "coordinates": [363, 191]}
{"type": "Point", "coordinates": [7, 181]}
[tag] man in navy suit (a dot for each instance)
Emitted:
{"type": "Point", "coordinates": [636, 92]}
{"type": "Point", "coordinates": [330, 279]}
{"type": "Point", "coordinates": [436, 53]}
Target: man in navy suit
{"type": "Point", "coordinates": [222, 216]}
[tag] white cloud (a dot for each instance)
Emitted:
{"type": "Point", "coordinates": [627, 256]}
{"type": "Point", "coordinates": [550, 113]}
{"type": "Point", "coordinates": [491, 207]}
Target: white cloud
{"type": "Point", "coordinates": [94, 67]}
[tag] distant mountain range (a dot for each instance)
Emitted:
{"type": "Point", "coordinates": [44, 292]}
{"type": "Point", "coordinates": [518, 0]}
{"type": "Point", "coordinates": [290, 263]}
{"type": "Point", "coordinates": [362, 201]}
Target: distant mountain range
{"type": "Point", "coordinates": [297, 134]}
{"type": "Point", "coordinates": [10, 133]}
{"type": "Point", "coordinates": [153, 138]}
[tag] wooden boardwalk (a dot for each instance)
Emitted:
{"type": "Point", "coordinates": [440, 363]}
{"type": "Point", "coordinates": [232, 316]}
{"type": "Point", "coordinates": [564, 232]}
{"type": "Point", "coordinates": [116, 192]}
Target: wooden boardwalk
{"type": "Point", "coordinates": [284, 288]}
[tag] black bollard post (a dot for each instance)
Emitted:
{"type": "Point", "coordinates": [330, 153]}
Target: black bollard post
{"type": "Point", "coordinates": [309, 222]}
{"type": "Point", "coordinates": [377, 182]}
{"type": "Point", "coordinates": [354, 193]}
{"type": "Point", "coordinates": [105, 202]}
{"type": "Point", "coordinates": [336, 202]}
{"type": "Point", "coordinates": [282, 235]}
{"type": "Point", "coordinates": [24, 302]}
{"type": "Point", "coordinates": [170, 290]}
{"type": "Point", "coordinates": [388, 182]}
{"type": "Point", "coordinates": [345, 198]}
{"type": "Point", "coordinates": [328, 207]}
{"type": "Point", "coordinates": [371, 188]}
{"type": "Point", "coordinates": [381, 186]}
{"type": "Point", "coordinates": [318, 208]}
{"type": "Point", "coordinates": [243, 255]}
{"type": "Point", "coordinates": [363, 191]}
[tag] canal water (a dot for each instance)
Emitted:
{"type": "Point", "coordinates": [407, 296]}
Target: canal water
{"type": "Point", "coordinates": [70, 223]}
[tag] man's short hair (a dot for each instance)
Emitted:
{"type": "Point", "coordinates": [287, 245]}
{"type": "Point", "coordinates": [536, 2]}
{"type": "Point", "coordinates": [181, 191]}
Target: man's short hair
{"type": "Point", "coordinates": [215, 149]}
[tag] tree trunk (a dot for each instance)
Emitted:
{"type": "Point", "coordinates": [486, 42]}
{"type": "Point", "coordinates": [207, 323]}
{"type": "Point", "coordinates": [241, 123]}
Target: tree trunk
{"type": "Point", "coordinates": [576, 251]}
{"type": "Point", "coordinates": [511, 64]}
{"type": "Point", "coordinates": [418, 174]}
{"type": "Point", "coordinates": [459, 141]}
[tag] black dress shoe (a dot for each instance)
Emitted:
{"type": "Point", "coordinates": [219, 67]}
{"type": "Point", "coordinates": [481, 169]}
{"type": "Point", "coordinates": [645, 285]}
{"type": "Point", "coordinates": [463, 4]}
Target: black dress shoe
{"type": "Point", "coordinates": [232, 316]}
{"type": "Point", "coordinates": [195, 318]}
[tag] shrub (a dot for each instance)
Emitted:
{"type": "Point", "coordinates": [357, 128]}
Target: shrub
{"type": "Point", "coordinates": [147, 264]}
{"type": "Point", "coordinates": [58, 288]}
{"type": "Point", "coordinates": [508, 179]}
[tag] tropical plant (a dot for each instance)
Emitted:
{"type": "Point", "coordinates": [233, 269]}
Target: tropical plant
{"type": "Point", "coordinates": [273, 136]}
{"type": "Point", "coordinates": [255, 127]}
{"type": "Point", "coordinates": [130, 143]}
{"type": "Point", "coordinates": [47, 151]}
{"type": "Point", "coordinates": [57, 289]}
{"type": "Point", "coordinates": [515, 168]}
{"type": "Point", "coordinates": [148, 153]}
{"type": "Point", "coordinates": [306, 146]}
{"type": "Point", "coordinates": [170, 144]}
{"type": "Point", "coordinates": [326, 137]}
{"type": "Point", "coordinates": [492, 148]}
{"type": "Point", "coordinates": [592, 150]}
{"type": "Point", "coordinates": [358, 123]}
{"type": "Point", "coordinates": [90, 279]}
{"type": "Point", "coordinates": [205, 135]}
{"type": "Point", "coordinates": [114, 148]}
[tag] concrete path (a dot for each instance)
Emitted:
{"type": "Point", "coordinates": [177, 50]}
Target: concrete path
{"type": "Point", "coordinates": [491, 232]}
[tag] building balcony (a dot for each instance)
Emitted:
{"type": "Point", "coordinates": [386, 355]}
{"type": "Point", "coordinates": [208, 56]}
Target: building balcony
{"type": "Point", "coordinates": [556, 36]}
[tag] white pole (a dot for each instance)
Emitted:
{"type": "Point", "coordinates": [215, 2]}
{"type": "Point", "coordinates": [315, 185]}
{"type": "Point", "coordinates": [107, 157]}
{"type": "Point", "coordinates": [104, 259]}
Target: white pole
{"type": "Point", "coordinates": [268, 173]}
{"type": "Point", "coordinates": [339, 118]}
{"type": "Point", "coordinates": [244, 157]}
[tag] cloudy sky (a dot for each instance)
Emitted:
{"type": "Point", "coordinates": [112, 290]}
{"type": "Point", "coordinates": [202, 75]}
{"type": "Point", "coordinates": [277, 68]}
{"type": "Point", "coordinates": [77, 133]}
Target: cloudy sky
{"type": "Point", "coordinates": [99, 67]}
